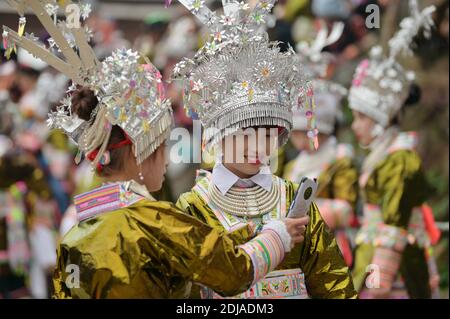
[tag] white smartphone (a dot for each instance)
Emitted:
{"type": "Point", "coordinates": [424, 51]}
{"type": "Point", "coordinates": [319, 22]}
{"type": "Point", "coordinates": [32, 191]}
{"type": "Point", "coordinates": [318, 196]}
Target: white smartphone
{"type": "Point", "coordinates": [303, 198]}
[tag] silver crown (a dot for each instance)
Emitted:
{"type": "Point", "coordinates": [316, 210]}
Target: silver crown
{"type": "Point", "coordinates": [239, 78]}
{"type": "Point", "coordinates": [381, 85]}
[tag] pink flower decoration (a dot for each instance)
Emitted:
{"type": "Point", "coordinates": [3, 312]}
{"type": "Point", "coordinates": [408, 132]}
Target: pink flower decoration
{"type": "Point", "coordinates": [148, 67]}
{"type": "Point", "coordinates": [361, 73]}
{"type": "Point", "coordinates": [161, 90]}
{"type": "Point", "coordinates": [364, 64]}
{"type": "Point", "coordinates": [356, 82]}
{"type": "Point", "coordinates": [143, 113]}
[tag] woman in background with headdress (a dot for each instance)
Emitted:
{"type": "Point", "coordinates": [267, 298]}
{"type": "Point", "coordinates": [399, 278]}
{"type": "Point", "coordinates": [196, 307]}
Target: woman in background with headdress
{"type": "Point", "coordinates": [398, 229]}
{"type": "Point", "coordinates": [332, 163]}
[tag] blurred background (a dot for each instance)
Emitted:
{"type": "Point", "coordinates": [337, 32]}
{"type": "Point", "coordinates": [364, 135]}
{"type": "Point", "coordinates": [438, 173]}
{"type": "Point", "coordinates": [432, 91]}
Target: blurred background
{"type": "Point", "coordinates": [38, 176]}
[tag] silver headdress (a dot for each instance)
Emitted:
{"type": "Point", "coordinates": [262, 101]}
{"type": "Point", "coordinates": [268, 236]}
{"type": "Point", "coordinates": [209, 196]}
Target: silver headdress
{"type": "Point", "coordinates": [130, 94]}
{"type": "Point", "coordinates": [327, 94]}
{"type": "Point", "coordinates": [380, 85]}
{"type": "Point", "coordinates": [312, 55]}
{"type": "Point", "coordinates": [239, 79]}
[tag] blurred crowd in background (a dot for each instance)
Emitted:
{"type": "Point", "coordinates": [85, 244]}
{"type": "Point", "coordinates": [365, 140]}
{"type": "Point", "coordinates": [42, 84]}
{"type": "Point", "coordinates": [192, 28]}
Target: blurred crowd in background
{"type": "Point", "coordinates": [38, 175]}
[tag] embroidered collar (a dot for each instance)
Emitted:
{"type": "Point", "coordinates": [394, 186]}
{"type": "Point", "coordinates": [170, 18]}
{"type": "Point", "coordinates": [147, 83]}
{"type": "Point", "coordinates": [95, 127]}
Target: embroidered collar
{"type": "Point", "coordinates": [224, 179]}
{"type": "Point", "coordinates": [110, 197]}
{"type": "Point", "coordinates": [404, 141]}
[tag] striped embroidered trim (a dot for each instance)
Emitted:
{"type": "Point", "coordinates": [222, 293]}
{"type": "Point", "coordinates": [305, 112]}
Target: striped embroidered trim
{"type": "Point", "coordinates": [391, 237]}
{"type": "Point", "coordinates": [376, 232]}
{"type": "Point", "coordinates": [104, 199]}
{"type": "Point", "coordinates": [266, 251]}
{"type": "Point", "coordinates": [280, 284]}
{"type": "Point", "coordinates": [388, 262]}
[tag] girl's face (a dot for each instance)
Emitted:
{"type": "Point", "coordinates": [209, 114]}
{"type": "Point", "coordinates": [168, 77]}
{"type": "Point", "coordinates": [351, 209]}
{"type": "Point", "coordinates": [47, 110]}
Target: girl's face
{"type": "Point", "coordinates": [247, 150]}
{"type": "Point", "coordinates": [363, 127]}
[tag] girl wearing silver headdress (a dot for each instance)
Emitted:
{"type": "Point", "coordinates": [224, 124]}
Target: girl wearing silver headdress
{"type": "Point", "coordinates": [394, 242]}
{"type": "Point", "coordinates": [126, 244]}
{"type": "Point", "coordinates": [242, 88]}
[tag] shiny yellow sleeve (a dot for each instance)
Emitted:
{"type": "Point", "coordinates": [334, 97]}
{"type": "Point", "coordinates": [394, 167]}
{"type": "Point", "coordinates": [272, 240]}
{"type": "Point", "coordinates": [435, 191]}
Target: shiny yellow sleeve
{"type": "Point", "coordinates": [345, 181]}
{"type": "Point", "coordinates": [403, 186]}
{"type": "Point", "coordinates": [59, 140]}
{"type": "Point", "coordinates": [326, 273]}
{"type": "Point", "coordinates": [204, 254]}
{"type": "Point", "coordinates": [280, 162]}
{"type": "Point", "coordinates": [184, 203]}
{"type": "Point", "coordinates": [155, 238]}
{"type": "Point", "coordinates": [288, 171]}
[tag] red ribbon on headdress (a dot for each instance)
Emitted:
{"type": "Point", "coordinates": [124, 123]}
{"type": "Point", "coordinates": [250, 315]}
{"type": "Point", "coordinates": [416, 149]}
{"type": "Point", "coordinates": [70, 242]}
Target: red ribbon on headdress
{"type": "Point", "coordinates": [92, 155]}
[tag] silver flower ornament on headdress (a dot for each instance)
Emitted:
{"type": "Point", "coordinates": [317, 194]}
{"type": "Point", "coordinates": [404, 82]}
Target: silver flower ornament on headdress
{"type": "Point", "coordinates": [131, 95]}
{"type": "Point", "coordinates": [239, 78]}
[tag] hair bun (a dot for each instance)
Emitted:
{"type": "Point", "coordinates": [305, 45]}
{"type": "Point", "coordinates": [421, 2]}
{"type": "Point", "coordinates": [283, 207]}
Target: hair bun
{"type": "Point", "coordinates": [84, 102]}
{"type": "Point", "coordinates": [415, 93]}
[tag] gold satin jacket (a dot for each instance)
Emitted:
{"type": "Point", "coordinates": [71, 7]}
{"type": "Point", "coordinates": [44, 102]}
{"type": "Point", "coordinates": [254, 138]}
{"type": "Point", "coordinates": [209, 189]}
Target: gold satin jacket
{"type": "Point", "coordinates": [397, 185]}
{"type": "Point", "coordinates": [338, 180]}
{"type": "Point", "coordinates": [147, 250]}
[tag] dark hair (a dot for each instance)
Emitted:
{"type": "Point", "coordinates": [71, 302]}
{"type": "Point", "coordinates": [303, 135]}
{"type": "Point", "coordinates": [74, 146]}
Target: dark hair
{"type": "Point", "coordinates": [15, 93]}
{"type": "Point", "coordinates": [84, 102]}
{"type": "Point", "coordinates": [415, 93]}
{"type": "Point", "coordinates": [29, 72]}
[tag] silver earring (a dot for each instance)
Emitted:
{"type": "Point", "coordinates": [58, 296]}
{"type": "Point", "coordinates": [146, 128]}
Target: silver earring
{"type": "Point", "coordinates": [141, 177]}
{"type": "Point", "coordinates": [377, 130]}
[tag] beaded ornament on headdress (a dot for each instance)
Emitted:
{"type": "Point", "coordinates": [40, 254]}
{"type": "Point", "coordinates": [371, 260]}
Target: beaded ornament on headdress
{"type": "Point", "coordinates": [316, 61]}
{"type": "Point", "coordinates": [130, 95]}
